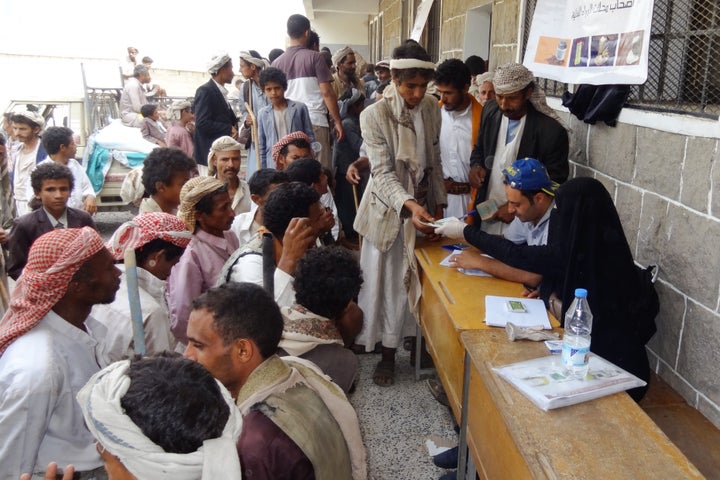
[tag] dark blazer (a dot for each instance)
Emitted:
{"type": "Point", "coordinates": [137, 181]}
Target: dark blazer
{"type": "Point", "coordinates": [31, 226]}
{"type": "Point", "coordinates": [213, 119]}
{"type": "Point", "coordinates": [543, 138]}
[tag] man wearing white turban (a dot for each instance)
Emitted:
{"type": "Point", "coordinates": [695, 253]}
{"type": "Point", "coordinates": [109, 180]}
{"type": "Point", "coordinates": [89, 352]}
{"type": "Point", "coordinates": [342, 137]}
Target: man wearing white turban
{"type": "Point", "coordinates": [345, 77]}
{"type": "Point", "coordinates": [518, 123]}
{"type": "Point", "coordinates": [27, 152]}
{"type": "Point", "coordinates": [213, 115]}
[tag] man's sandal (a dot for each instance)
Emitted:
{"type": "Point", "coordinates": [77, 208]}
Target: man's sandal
{"type": "Point", "coordinates": [384, 374]}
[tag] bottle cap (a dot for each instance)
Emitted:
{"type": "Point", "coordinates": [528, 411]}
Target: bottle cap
{"type": "Point", "coordinates": [580, 293]}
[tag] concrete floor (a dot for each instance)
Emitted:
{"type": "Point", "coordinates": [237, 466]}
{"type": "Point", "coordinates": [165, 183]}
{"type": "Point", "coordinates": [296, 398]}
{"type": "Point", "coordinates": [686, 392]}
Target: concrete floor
{"type": "Point", "coordinates": [396, 420]}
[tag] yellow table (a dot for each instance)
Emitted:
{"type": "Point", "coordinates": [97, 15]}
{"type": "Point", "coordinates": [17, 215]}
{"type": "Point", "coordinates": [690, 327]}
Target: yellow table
{"type": "Point", "coordinates": [508, 437]}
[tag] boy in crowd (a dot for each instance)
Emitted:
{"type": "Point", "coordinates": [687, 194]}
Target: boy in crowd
{"type": "Point", "coordinates": [261, 183]}
{"type": "Point", "coordinates": [179, 135]}
{"type": "Point", "coordinates": [52, 184]}
{"type": "Point", "coordinates": [165, 171]}
{"type": "Point", "coordinates": [281, 117]}
{"type": "Point", "coordinates": [291, 147]}
{"type": "Point", "coordinates": [60, 146]}
{"type": "Point", "coordinates": [151, 128]}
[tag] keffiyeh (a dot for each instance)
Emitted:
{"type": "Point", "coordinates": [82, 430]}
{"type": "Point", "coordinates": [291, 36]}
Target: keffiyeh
{"type": "Point", "coordinates": [53, 260]}
{"type": "Point", "coordinates": [100, 402]}
{"type": "Point", "coordinates": [286, 140]}
{"type": "Point", "coordinates": [340, 54]}
{"type": "Point", "coordinates": [145, 228]}
{"type": "Point", "coordinates": [222, 144]}
{"type": "Point", "coordinates": [513, 77]}
{"type": "Point", "coordinates": [217, 62]}
{"type": "Point", "coordinates": [192, 192]}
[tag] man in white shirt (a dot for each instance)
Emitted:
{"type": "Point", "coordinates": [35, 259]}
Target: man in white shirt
{"type": "Point", "coordinates": [49, 348]}
{"type": "Point", "coordinates": [224, 164]}
{"type": "Point", "coordinates": [133, 97]}
{"type": "Point", "coordinates": [261, 183]}
{"type": "Point", "coordinates": [460, 123]}
{"type": "Point", "coordinates": [60, 147]}
{"type": "Point", "coordinates": [26, 154]}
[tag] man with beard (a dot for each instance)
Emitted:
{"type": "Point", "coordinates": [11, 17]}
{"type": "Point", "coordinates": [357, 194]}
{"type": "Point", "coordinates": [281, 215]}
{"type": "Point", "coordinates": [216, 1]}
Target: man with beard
{"type": "Point", "coordinates": [345, 77]}
{"type": "Point", "coordinates": [529, 128]}
{"type": "Point", "coordinates": [50, 346]}
{"type": "Point", "coordinates": [224, 164]}
{"type": "Point", "coordinates": [27, 152]}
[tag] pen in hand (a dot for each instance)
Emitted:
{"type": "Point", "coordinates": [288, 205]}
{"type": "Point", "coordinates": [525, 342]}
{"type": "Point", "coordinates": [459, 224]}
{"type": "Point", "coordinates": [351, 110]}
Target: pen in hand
{"type": "Point", "coordinates": [471, 212]}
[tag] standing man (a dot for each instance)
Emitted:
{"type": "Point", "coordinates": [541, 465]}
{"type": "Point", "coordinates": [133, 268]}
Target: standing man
{"type": "Point", "coordinates": [60, 146]}
{"type": "Point", "coordinates": [251, 93]}
{"type": "Point", "coordinates": [133, 97]}
{"type": "Point", "coordinates": [527, 126]}
{"type": "Point", "coordinates": [310, 82]}
{"type": "Point", "coordinates": [224, 164]}
{"type": "Point", "coordinates": [50, 346]}
{"type": "Point", "coordinates": [345, 77]}
{"type": "Point", "coordinates": [401, 136]}
{"type": "Point", "coordinates": [213, 115]}
{"type": "Point", "coordinates": [296, 423]}
{"type": "Point", "coordinates": [25, 155]}
{"type": "Point", "coordinates": [460, 124]}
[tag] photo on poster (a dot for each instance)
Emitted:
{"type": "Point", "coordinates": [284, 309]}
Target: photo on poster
{"type": "Point", "coordinates": [630, 49]}
{"type": "Point", "coordinates": [552, 51]}
{"type": "Point", "coordinates": [579, 52]}
{"type": "Point", "coordinates": [602, 50]}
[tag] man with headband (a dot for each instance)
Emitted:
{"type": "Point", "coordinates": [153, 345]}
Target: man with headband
{"type": "Point", "coordinates": [178, 135]}
{"type": "Point", "coordinates": [517, 124]}
{"type": "Point", "coordinates": [345, 77]}
{"type": "Point", "coordinates": [158, 240]}
{"type": "Point", "coordinates": [49, 347]}
{"type": "Point", "coordinates": [310, 82]}
{"type": "Point", "coordinates": [162, 418]}
{"type": "Point", "coordinates": [213, 115]}
{"type": "Point", "coordinates": [406, 190]}
{"type": "Point", "coordinates": [224, 164]}
{"type": "Point", "coordinates": [205, 209]}
{"type": "Point", "coordinates": [28, 152]}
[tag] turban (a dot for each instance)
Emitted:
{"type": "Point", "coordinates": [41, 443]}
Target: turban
{"type": "Point", "coordinates": [513, 77]}
{"type": "Point", "coordinates": [286, 140]}
{"type": "Point", "coordinates": [175, 111]}
{"type": "Point", "coordinates": [34, 117]}
{"type": "Point", "coordinates": [192, 192]}
{"type": "Point", "coordinates": [217, 62]}
{"type": "Point", "coordinates": [100, 402]}
{"type": "Point", "coordinates": [53, 260]}
{"type": "Point", "coordinates": [484, 77]}
{"type": "Point", "coordinates": [258, 62]}
{"type": "Point", "coordinates": [145, 228]}
{"type": "Point", "coordinates": [222, 144]}
{"type": "Point", "coordinates": [341, 54]}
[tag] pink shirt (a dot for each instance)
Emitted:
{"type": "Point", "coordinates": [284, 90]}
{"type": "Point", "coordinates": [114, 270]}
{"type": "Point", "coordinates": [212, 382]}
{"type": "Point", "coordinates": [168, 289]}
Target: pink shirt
{"type": "Point", "coordinates": [178, 136]}
{"type": "Point", "coordinates": [195, 273]}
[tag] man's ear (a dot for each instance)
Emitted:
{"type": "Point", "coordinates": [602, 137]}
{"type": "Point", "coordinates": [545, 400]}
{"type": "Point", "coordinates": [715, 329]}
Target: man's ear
{"type": "Point", "coordinates": [255, 198]}
{"type": "Point", "coordinates": [528, 93]}
{"type": "Point", "coordinates": [243, 350]}
{"type": "Point", "coordinates": [160, 186]}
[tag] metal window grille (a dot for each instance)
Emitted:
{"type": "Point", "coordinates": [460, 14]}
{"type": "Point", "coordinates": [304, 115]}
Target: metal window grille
{"type": "Point", "coordinates": [683, 62]}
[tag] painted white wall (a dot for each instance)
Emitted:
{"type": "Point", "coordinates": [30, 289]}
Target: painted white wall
{"type": "Point", "coordinates": [477, 32]}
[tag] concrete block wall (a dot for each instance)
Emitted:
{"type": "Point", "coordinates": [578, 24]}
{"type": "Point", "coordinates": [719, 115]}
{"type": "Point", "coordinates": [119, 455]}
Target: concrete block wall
{"type": "Point", "coordinates": [666, 187]}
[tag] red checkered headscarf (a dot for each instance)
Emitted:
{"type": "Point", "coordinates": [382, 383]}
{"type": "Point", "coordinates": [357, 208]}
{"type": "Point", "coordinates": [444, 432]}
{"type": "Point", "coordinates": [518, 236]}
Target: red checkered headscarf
{"type": "Point", "coordinates": [53, 260]}
{"type": "Point", "coordinates": [286, 140]}
{"type": "Point", "coordinates": [145, 228]}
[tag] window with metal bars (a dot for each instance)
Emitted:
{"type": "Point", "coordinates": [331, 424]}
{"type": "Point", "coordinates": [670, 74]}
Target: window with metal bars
{"type": "Point", "coordinates": [683, 62]}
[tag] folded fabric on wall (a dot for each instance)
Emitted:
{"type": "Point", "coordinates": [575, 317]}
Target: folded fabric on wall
{"type": "Point", "coordinates": [593, 103]}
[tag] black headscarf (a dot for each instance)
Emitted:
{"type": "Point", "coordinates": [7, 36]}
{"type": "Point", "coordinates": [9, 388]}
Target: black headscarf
{"type": "Point", "coordinates": [586, 248]}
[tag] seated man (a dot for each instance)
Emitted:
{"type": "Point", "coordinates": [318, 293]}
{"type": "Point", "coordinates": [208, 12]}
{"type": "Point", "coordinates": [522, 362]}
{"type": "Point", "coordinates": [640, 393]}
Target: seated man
{"type": "Point", "coordinates": [205, 209]}
{"type": "Point", "coordinates": [291, 147]}
{"type": "Point", "coordinates": [296, 423]}
{"type": "Point", "coordinates": [133, 97]}
{"type": "Point", "coordinates": [165, 171]}
{"type": "Point", "coordinates": [327, 279]}
{"type": "Point", "coordinates": [162, 417]}
{"type": "Point", "coordinates": [531, 198]}
{"type": "Point", "coordinates": [151, 127]}
{"type": "Point", "coordinates": [261, 183]}
{"type": "Point", "coordinates": [294, 216]}
{"type": "Point", "coordinates": [52, 184]}
{"type": "Point", "coordinates": [310, 172]}
{"type": "Point", "coordinates": [50, 346]}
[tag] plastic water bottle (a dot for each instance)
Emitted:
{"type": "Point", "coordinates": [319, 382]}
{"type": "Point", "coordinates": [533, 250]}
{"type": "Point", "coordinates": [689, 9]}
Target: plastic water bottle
{"type": "Point", "coordinates": [576, 340]}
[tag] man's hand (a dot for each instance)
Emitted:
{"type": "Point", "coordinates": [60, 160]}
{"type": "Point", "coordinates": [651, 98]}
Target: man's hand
{"type": "Point", "coordinates": [51, 473]}
{"type": "Point", "coordinates": [503, 214]}
{"type": "Point", "coordinates": [89, 205]}
{"type": "Point", "coordinates": [468, 259]}
{"type": "Point", "coordinates": [299, 236]}
{"type": "Point", "coordinates": [477, 176]}
{"type": "Point", "coordinates": [352, 175]}
{"type": "Point", "coordinates": [3, 237]}
{"type": "Point", "coordinates": [326, 221]}
{"type": "Point", "coordinates": [234, 132]}
{"type": "Point", "coordinates": [452, 229]}
{"type": "Point", "coordinates": [339, 133]}
{"type": "Point", "coordinates": [420, 217]}
{"type": "Point", "coordinates": [535, 293]}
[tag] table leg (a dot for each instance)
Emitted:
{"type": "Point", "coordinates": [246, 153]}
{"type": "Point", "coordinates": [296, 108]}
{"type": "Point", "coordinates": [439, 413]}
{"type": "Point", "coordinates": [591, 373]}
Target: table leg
{"type": "Point", "coordinates": [465, 467]}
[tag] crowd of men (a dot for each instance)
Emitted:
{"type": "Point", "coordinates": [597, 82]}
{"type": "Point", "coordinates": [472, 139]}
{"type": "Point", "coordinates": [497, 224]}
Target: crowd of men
{"type": "Point", "coordinates": [255, 276]}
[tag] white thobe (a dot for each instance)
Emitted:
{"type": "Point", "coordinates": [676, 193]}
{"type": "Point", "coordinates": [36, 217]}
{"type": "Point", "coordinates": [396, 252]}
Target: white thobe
{"type": "Point", "coordinates": [455, 150]}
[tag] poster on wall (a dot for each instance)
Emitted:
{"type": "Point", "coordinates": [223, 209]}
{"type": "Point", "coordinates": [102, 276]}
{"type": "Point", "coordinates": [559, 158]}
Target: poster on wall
{"type": "Point", "coordinates": [596, 42]}
{"type": "Point", "coordinates": [421, 16]}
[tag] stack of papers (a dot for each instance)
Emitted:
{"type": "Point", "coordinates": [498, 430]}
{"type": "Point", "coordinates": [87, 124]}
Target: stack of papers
{"type": "Point", "coordinates": [544, 381]}
{"type": "Point", "coordinates": [497, 312]}
{"type": "Point", "coordinates": [475, 272]}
